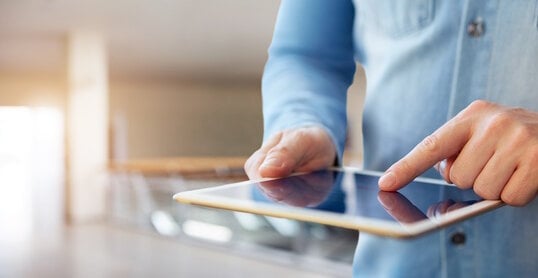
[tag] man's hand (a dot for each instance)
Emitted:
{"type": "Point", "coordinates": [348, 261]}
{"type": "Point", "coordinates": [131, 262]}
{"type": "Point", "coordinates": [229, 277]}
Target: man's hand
{"type": "Point", "coordinates": [297, 150]}
{"type": "Point", "coordinates": [487, 147]}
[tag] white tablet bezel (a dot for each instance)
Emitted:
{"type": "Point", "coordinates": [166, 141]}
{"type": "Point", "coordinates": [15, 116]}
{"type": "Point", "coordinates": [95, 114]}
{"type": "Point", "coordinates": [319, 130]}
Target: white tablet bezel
{"type": "Point", "coordinates": [363, 224]}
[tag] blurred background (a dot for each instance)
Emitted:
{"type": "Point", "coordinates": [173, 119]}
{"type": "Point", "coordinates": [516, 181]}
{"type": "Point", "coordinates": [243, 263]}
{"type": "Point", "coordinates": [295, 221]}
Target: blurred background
{"type": "Point", "coordinates": [108, 108]}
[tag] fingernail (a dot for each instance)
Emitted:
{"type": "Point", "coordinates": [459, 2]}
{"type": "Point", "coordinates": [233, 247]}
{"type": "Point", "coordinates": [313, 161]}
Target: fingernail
{"type": "Point", "coordinates": [271, 162]}
{"type": "Point", "coordinates": [387, 181]}
{"type": "Point", "coordinates": [442, 166]}
{"type": "Point", "coordinates": [442, 169]}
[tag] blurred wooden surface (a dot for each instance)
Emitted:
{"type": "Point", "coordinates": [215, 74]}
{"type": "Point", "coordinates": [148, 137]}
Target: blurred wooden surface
{"type": "Point", "coordinates": [183, 166]}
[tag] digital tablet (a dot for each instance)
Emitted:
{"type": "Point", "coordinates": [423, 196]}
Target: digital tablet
{"type": "Point", "coordinates": [348, 198]}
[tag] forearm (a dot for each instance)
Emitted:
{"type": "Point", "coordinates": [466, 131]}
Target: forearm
{"type": "Point", "coordinates": [310, 67]}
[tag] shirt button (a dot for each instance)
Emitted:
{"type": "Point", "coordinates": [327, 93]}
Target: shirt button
{"type": "Point", "coordinates": [476, 28]}
{"type": "Point", "coordinates": [458, 238]}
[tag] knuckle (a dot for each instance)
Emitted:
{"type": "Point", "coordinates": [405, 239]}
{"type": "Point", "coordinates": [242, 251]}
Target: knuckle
{"type": "Point", "coordinates": [455, 175]}
{"type": "Point", "coordinates": [478, 105]}
{"type": "Point", "coordinates": [271, 141]}
{"type": "Point", "coordinates": [518, 111]}
{"type": "Point", "coordinates": [499, 121]}
{"type": "Point", "coordinates": [523, 133]}
{"type": "Point", "coordinates": [310, 138]}
{"type": "Point", "coordinates": [521, 189]}
{"type": "Point", "coordinates": [302, 135]}
{"type": "Point", "coordinates": [279, 150]}
{"type": "Point", "coordinates": [486, 192]}
{"type": "Point", "coordinates": [430, 143]}
{"type": "Point", "coordinates": [405, 167]}
{"type": "Point", "coordinates": [513, 199]}
{"type": "Point", "coordinates": [457, 179]}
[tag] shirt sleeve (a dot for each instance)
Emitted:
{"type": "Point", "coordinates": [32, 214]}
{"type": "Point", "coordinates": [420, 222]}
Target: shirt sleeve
{"type": "Point", "coordinates": [310, 68]}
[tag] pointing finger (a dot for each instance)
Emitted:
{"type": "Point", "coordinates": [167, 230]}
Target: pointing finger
{"type": "Point", "coordinates": [445, 142]}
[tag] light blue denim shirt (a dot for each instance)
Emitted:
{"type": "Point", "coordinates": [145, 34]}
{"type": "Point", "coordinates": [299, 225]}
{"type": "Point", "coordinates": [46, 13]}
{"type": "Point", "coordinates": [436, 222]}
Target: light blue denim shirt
{"type": "Point", "coordinates": [425, 60]}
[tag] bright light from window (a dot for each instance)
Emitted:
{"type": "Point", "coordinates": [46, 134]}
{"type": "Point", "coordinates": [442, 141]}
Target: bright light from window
{"type": "Point", "coordinates": [31, 170]}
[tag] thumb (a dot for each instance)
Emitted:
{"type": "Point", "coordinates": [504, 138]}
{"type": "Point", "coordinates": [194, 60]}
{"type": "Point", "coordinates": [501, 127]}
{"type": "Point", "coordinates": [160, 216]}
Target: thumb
{"type": "Point", "coordinates": [282, 159]}
{"type": "Point", "coordinates": [299, 150]}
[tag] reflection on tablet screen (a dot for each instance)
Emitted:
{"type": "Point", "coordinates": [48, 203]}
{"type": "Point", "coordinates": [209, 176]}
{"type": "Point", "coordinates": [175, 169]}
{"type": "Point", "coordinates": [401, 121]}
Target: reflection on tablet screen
{"type": "Point", "coordinates": [358, 194]}
{"type": "Point", "coordinates": [348, 198]}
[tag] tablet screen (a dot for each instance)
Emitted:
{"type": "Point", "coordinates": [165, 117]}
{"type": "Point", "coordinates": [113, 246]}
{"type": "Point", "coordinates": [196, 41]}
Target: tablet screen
{"type": "Point", "coordinates": [354, 196]}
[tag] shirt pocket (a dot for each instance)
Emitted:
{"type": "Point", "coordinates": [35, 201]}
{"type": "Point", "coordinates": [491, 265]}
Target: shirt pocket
{"type": "Point", "coordinates": [395, 18]}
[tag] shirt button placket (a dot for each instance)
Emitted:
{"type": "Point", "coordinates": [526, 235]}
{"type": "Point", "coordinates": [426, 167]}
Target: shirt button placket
{"type": "Point", "coordinates": [476, 28]}
{"type": "Point", "coordinates": [458, 238]}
